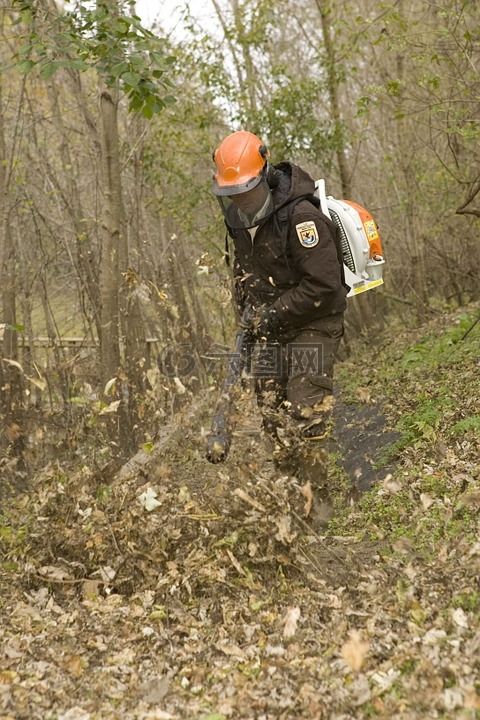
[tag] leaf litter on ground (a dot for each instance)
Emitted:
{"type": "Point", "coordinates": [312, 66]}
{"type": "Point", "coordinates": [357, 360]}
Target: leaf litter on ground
{"type": "Point", "coordinates": [220, 601]}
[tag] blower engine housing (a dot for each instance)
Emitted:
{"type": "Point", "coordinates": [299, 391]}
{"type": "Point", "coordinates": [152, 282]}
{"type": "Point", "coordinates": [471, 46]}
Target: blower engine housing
{"type": "Point", "coordinates": [361, 243]}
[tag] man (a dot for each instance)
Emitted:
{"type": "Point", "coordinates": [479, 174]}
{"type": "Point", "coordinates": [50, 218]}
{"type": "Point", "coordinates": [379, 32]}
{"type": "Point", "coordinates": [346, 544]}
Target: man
{"type": "Point", "coordinates": [288, 268]}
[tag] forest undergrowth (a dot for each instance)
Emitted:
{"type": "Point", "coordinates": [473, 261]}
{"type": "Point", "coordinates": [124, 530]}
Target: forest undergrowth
{"type": "Point", "coordinates": [176, 589]}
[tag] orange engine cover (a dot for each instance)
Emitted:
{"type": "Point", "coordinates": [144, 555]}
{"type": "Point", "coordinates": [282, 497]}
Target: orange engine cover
{"type": "Point", "coordinates": [371, 229]}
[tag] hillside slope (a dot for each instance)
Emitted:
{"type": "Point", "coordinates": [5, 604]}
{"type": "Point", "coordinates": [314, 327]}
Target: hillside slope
{"type": "Point", "coordinates": [191, 591]}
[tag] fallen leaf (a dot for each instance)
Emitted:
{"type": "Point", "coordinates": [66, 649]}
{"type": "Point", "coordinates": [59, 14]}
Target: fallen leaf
{"type": "Point", "coordinates": [181, 389]}
{"type": "Point", "coordinates": [403, 545]}
{"type": "Point", "coordinates": [391, 486]}
{"type": "Point", "coordinates": [147, 500]}
{"type": "Point", "coordinates": [426, 500]}
{"type": "Point", "coordinates": [307, 493]}
{"type": "Point", "coordinates": [39, 383]}
{"type": "Point", "coordinates": [157, 714]}
{"type": "Point", "coordinates": [90, 588]}
{"type": "Point", "coordinates": [75, 665]}
{"type": "Point", "coordinates": [291, 621]}
{"type": "Point", "coordinates": [107, 573]}
{"type": "Point", "coordinates": [460, 618]}
{"type": "Point", "coordinates": [385, 680]}
{"type": "Point", "coordinates": [363, 394]}
{"type": "Point", "coordinates": [51, 572]}
{"type": "Point", "coordinates": [434, 637]}
{"type": "Point", "coordinates": [13, 363]}
{"type": "Point", "coordinates": [285, 534]}
{"type": "Point", "coordinates": [249, 500]}
{"type": "Point", "coordinates": [113, 407]}
{"type": "Point", "coordinates": [354, 650]}
{"type": "Point", "coordinates": [231, 649]}
{"type": "Point", "coordinates": [154, 691]}
{"type": "Point", "coordinates": [75, 713]}
{"type": "Point", "coordinates": [110, 385]}
{"type": "Point", "coordinates": [7, 677]}
{"type": "Point", "coordinates": [13, 432]}
{"type": "Point", "coordinates": [472, 699]}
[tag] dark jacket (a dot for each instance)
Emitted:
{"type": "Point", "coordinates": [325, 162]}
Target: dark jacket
{"type": "Point", "coordinates": [301, 283]}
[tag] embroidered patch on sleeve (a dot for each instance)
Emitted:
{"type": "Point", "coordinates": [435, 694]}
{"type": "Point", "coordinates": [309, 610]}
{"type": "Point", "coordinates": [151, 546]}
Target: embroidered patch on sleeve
{"type": "Point", "coordinates": [307, 234]}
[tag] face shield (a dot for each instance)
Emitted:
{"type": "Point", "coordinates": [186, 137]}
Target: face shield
{"type": "Point", "coordinates": [246, 206]}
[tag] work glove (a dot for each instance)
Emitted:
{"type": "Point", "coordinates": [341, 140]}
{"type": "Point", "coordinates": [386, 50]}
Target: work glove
{"type": "Point", "coordinates": [263, 323]}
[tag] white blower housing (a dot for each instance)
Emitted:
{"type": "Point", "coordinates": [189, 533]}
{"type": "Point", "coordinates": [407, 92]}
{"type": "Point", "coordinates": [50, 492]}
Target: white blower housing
{"type": "Point", "coordinates": [361, 244]}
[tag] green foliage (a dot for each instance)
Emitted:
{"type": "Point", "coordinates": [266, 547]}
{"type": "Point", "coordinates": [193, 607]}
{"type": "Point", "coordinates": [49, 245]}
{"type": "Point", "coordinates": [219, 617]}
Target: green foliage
{"type": "Point", "coordinates": [424, 421]}
{"type": "Point", "coordinates": [438, 44]}
{"type": "Point", "coordinates": [468, 601]}
{"type": "Point", "coordinates": [104, 494]}
{"type": "Point", "coordinates": [13, 540]}
{"type": "Point", "coordinates": [291, 120]}
{"type": "Point", "coordinates": [114, 44]}
{"type": "Point", "coordinates": [435, 382]}
{"type": "Point", "coordinates": [468, 424]}
{"type": "Point", "coordinates": [380, 515]}
{"type": "Point", "coordinates": [268, 92]}
{"type": "Point", "coordinates": [453, 346]}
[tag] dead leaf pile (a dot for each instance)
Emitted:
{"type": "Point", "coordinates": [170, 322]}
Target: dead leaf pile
{"type": "Point", "coordinates": [187, 591]}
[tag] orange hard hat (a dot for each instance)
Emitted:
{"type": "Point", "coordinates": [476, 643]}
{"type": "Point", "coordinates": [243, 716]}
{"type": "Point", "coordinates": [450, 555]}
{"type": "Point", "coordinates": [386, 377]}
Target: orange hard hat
{"type": "Point", "coordinates": [240, 159]}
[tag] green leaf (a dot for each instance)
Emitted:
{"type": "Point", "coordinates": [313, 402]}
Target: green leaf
{"type": "Point", "coordinates": [77, 64]}
{"type": "Point", "coordinates": [135, 103]}
{"type": "Point", "coordinates": [48, 70]}
{"type": "Point", "coordinates": [169, 100]}
{"type": "Point", "coordinates": [117, 70]}
{"type": "Point", "coordinates": [157, 106]}
{"type": "Point", "coordinates": [25, 66]}
{"type": "Point", "coordinates": [147, 112]}
{"type": "Point", "coordinates": [137, 61]}
{"type": "Point", "coordinates": [130, 78]}
{"type": "Point", "coordinates": [64, 37]}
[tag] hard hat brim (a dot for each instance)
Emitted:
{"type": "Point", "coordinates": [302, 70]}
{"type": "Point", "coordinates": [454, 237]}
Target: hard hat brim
{"type": "Point", "coordinates": [221, 190]}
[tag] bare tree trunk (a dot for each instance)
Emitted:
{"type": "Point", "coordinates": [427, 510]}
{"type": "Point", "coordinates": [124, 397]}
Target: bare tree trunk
{"type": "Point", "coordinates": [110, 283]}
{"type": "Point", "coordinates": [111, 227]}
{"type": "Point", "coordinates": [115, 329]}
{"type": "Point", "coordinates": [407, 164]}
{"type": "Point", "coordinates": [11, 391]}
{"type": "Point", "coordinates": [85, 270]}
{"type": "Point", "coordinates": [334, 96]}
{"type": "Point", "coordinates": [361, 305]}
{"type": "Point", "coordinates": [251, 76]}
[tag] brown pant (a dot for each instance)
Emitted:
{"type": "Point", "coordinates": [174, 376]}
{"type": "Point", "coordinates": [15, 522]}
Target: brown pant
{"type": "Point", "coordinates": [293, 377]}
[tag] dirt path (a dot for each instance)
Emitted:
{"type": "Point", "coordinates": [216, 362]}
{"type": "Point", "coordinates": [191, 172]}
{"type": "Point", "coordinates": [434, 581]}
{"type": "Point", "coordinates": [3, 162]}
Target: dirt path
{"type": "Point", "coordinates": [361, 432]}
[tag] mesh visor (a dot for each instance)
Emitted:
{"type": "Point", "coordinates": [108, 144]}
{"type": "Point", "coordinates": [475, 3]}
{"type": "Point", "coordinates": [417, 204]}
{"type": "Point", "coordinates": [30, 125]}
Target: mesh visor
{"type": "Point", "coordinates": [248, 209]}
